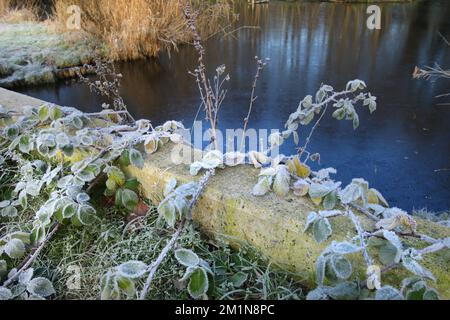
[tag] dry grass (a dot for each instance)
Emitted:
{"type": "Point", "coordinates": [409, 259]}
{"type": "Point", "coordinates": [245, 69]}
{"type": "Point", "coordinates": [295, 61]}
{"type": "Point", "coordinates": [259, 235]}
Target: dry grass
{"type": "Point", "coordinates": [13, 11]}
{"type": "Point", "coordinates": [137, 28]}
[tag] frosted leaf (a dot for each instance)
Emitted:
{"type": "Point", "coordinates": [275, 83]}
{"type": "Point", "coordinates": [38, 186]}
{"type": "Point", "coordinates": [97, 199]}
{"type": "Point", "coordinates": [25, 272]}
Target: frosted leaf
{"type": "Point", "coordinates": [410, 263]}
{"type": "Point", "coordinates": [322, 230]}
{"type": "Point", "coordinates": [388, 293]}
{"type": "Point", "coordinates": [130, 199]}
{"type": "Point", "coordinates": [4, 204]}
{"type": "Point", "coordinates": [356, 85]}
{"type": "Point", "coordinates": [317, 294]}
{"type": "Point", "coordinates": [330, 201]}
{"type": "Point", "coordinates": [341, 266]}
{"type": "Point", "coordinates": [136, 158]}
{"type": "Point", "coordinates": [151, 145]}
{"type": "Point", "coordinates": [170, 186]}
{"type": "Point", "coordinates": [263, 186]}
{"type": "Point", "coordinates": [8, 212]}
{"type": "Point", "coordinates": [312, 217]}
{"type": "Point", "coordinates": [212, 159]}
{"type": "Point", "coordinates": [345, 248]}
{"type": "Point", "coordinates": [276, 139]}
{"type": "Point", "coordinates": [233, 159]}
{"type": "Point", "coordinates": [41, 287]}
{"type": "Point", "coordinates": [187, 258]}
{"type": "Point", "coordinates": [26, 276]}
{"type": "Point", "coordinates": [258, 159]}
{"type": "Point", "coordinates": [350, 194]}
{"type": "Point", "coordinates": [132, 269]}
{"type": "Point", "coordinates": [167, 211]}
{"type": "Point", "coordinates": [5, 294]}
{"type": "Point", "coordinates": [301, 188]}
{"type": "Point", "coordinates": [15, 248]}
{"type": "Point", "coordinates": [198, 283]}
{"type": "Point", "coordinates": [282, 181]}
{"type": "Point", "coordinates": [325, 173]}
{"type": "Point", "coordinates": [126, 285]}
{"type": "Point", "coordinates": [320, 190]}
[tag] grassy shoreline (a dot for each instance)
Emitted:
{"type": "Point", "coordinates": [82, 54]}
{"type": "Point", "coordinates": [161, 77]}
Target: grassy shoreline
{"type": "Point", "coordinates": [33, 51]}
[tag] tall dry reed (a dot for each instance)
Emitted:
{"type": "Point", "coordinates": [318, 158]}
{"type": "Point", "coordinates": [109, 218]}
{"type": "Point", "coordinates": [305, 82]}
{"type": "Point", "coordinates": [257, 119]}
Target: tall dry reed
{"type": "Point", "coordinates": [136, 28]}
{"type": "Point", "coordinates": [15, 11]}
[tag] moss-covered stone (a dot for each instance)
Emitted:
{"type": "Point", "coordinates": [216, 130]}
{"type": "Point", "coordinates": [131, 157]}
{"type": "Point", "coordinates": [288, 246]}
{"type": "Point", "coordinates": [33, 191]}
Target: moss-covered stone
{"type": "Point", "coordinates": [272, 224]}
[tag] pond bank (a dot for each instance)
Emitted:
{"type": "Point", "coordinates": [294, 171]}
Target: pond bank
{"type": "Point", "coordinates": [34, 53]}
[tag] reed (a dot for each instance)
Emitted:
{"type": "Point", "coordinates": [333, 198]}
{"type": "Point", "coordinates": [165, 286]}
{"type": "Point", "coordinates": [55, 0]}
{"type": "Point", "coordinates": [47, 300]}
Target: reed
{"type": "Point", "coordinates": [139, 28]}
{"type": "Point", "coordinates": [14, 11]}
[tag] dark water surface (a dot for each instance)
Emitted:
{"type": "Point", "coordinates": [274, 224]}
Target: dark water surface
{"type": "Point", "coordinates": [403, 149]}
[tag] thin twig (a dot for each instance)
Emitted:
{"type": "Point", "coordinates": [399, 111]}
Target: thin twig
{"type": "Point", "coordinates": [260, 67]}
{"type": "Point", "coordinates": [33, 255]}
{"type": "Point", "coordinates": [162, 256]}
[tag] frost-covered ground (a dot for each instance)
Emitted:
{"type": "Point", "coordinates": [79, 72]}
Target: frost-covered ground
{"type": "Point", "coordinates": [33, 53]}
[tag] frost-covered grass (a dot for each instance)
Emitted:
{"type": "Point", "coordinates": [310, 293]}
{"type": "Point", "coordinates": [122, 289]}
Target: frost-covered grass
{"type": "Point", "coordinates": [109, 243]}
{"type": "Point", "coordinates": [32, 53]}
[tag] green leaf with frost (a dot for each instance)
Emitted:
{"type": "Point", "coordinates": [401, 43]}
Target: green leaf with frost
{"type": "Point", "coordinates": [389, 254]}
{"type": "Point", "coordinates": [330, 201]}
{"type": "Point", "coordinates": [130, 199]}
{"type": "Point", "coordinates": [238, 279]}
{"type": "Point", "coordinates": [263, 186]}
{"type": "Point", "coordinates": [344, 291]}
{"type": "Point", "coordinates": [37, 235]}
{"type": "Point", "coordinates": [124, 159]}
{"type": "Point", "coordinates": [41, 287]}
{"type": "Point", "coordinates": [312, 217]}
{"type": "Point", "coordinates": [23, 236]}
{"type": "Point", "coordinates": [350, 194]}
{"type": "Point", "coordinates": [55, 113]}
{"type": "Point", "coordinates": [167, 210]}
{"type": "Point", "coordinates": [431, 294]}
{"type": "Point", "coordinates": [43, 113]}
{"type": "Point", "coordinates": [170, 186]}
{"type": "Point", "coordinates": [322, 230]}
{"type": "Point", "coordinates": [317, 294]}
{"type": "Point", "coordinates": [126, 285]}
{"type": "Point", "coordinates": [187, 258]}
{"type": "Point", "coordinates": [25, 145]}
{"type": "Point", "coordinates": [9, 212]}
{"type": "Point", "coordinates": [5, 294]}
{"type": "Point", "coordinates": [26, 276]}
{"type": "Point", "coordinates": [86, 214]}
{"type": "Point", "coordinates": [413, 266]}
{"type": "Point", "coordinates": [15, 249]}
{"type": "Point", "coordinates": [136, 158]}
{"type": "Point", "coordinates": [345, 248]}
{"type": "Point", "coordinates": [341, 267]}
{"type": "Point", "coordinates": [320, 190]}
{"type": "Point", "coordinates": [282, 181]}
{"type": "Point", "coordinates": [132, 269]}
{"type": "Point", "coordinates": [388, 293]}
{"type": "Point", "coordinates": [69, 210]}
{"type": "Point", "coordinates": [198, 283]}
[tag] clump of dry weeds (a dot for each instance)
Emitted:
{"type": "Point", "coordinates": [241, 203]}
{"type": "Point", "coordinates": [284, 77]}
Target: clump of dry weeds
{"type": "Point", "coordinates": [138, 28]}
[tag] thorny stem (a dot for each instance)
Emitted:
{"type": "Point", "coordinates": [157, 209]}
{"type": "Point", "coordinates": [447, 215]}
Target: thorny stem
{"type": "Point", "coordinates": [360, 232]}
{"type": "Point", "coordinates": [308, 139]}
{"type": "Point", "coordinates": [30, 259]}
{"type": "Point", "coordinates": [317, 107]}
{"type": "Point", "coordinates": [260, 68]}
{"type": "Point", "coordinates": [155, 265]}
